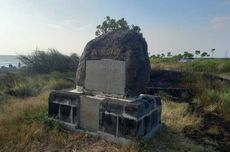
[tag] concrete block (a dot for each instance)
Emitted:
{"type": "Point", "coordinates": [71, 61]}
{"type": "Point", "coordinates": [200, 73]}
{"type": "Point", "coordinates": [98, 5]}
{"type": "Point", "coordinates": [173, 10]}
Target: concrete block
{"type": "Point", "coordinates": [64, 97]}
{"type": "Point", "coordinates": [150, 100]}
{"type": "Point", "coordinates": [64, 106]}
{"type": "Point", "coordinates": [154, 118]}
{"type": "Point", "coordinates": [128, 128]}
{"type": "Point", "coordinates": [108, 123]}
{"type": "Point", "coordinates": [147, 124]}
{"type": "Point", "coordinates": [53, 110]}
{"type": "Point", "coordinates": [158, 101]}
{"type": "Point", "coordinates": [114, 106]}
{"type": "Point", "coordinates": [136, 110]}
{"type": "Point", "coordinates": [75, 115]}
{"type": "Point", "coordinates": [89, 113]}
{"type": "Point", "coordinates": [65, 113]}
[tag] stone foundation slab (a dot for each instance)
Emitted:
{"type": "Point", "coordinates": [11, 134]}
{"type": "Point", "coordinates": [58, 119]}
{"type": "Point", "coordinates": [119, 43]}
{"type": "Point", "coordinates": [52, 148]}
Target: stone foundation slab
{"type": "Point", "coordinates": [111, 118]}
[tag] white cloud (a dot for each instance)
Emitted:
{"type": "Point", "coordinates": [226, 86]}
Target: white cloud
{"type": "Point", "coordinates": [221, 22]}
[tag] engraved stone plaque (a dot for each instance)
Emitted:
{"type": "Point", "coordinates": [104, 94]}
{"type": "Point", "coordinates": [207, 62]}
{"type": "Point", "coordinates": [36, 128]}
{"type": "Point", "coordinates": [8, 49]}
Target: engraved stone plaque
{"type": "Point", "coordinates": [105, 76]}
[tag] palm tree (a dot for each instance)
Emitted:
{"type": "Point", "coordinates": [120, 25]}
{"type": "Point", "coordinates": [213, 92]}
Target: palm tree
{"type": "Point", "coordinates": [204, 54]}
{"type": "Point", "coordinates": [197, 52]}
{"type": "Point", "coordinates": [213, 50]}
{"type": "Point", "coordinates": [169, 54]}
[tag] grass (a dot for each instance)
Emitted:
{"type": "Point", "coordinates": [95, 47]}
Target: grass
{"type": "Point", "coordinates": [200, 65]}
{"type": "Point", "coordinates": [210, 93]}
{"type": "Point", "coordinates": [175, 118]}
{"type": "Point", "coordinates": [172, 112]}
{"type": "Point", "coordinates": [23, 89]}
{"type": "Point", "coordinates": [21, 85]}
{"type": "Point", "coordinates": [157, 60]}
{"type": "Point", "coordinates": [23, 127]}
{"type": "Point", "coordinates": [218, 101]}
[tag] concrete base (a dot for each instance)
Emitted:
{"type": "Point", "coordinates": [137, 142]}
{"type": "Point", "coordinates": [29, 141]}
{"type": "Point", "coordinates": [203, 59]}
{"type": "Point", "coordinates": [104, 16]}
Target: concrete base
{"type": "Point", "coordinates": [114, 119]}
{"type": "Point", "coordinates": [106, 136]}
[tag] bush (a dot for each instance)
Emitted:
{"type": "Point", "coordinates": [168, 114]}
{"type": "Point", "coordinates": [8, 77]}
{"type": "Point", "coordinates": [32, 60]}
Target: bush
{"type": "Point", "coordinates": [51, 124]}
{"type": "Point", "coordinates": [207, 65]}
{"type": "Point", "coordinates": [213, 96]}
{"type": "Point", "coordinates": [37, 117]}
{"type": "Point", "coordinates": [22, 89]}
{"type": "Point", "coordinates": [221, 102]}
{"type": "Point", "coordinates": [225, 66]}
{"type": "Point", "coordinates": [203, 65]}
{"type": "Point", "coordinates": [30, 85]}
{"type": "Point", "coordinates": [156, 60]}
{"type": "Point", "coordinates": [49, 61]}
{"type": "Point", "coordinates": [7, 80]}
{"type": "Point", "coordinates": [42, 117]}
{"type": "Point", "coordinates": [60, 84]}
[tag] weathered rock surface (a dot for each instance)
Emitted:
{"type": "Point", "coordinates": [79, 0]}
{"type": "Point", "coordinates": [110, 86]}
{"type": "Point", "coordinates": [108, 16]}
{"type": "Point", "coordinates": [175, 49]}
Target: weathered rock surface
{"type": "Point", "coordinates": [126, 46]}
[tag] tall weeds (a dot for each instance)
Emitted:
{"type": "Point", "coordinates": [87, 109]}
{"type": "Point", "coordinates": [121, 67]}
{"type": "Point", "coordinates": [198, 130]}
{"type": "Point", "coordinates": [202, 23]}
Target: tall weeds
{"type": "Point", "coordinates": [210, 93]}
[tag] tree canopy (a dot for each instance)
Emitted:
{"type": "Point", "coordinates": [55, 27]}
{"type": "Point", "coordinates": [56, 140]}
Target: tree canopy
{"type": "Point", "coordinates": [110, 24]}
{"type": "Point", "coordinates": [204, 54]}
{"type": "Point", "coordinates": [188, 55]}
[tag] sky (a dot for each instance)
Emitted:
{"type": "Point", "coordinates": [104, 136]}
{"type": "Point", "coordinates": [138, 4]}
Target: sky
{"type": "Point", "coordinates": [67, 25]}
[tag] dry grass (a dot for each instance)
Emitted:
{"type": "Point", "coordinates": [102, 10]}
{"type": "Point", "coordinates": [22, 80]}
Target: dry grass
{"type": "Point", "coordinates": [16, 134]}
{"type": "Point", "coordinates": [176, 116]}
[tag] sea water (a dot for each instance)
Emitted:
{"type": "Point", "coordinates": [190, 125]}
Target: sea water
{"type": "Point", "coordinates": [6, 60]}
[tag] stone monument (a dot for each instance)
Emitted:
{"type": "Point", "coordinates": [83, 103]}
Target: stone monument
{"type": "Point", "coordinates": [112, 73]}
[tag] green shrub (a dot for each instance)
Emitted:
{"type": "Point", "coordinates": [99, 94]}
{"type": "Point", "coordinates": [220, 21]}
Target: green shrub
{"type": "Point", "coordinates": [37, 117]}
{"type": "Point", "coordinates": [224, 106]}
{"type": "Point", "coordinates": [219, 100]}
{"type": "Point", "coordinates": [60, 84]}
{"type": "Point", "coordinates": [198, 65]}
{"type": "Point", "coordinates": [207, 65]}
{"type": "Point", "coordinates": [156, 60]}
{"type": "Point", "coordinates": [51, 124]}
{"type": "Point", "coordinates": [226, 66]}
{"type": "Point", "coordinates": [23, 89]}
{"type": "Point", "coordinates": [213, 96]}
{"type": "Point", "coordinates": [203, 65]}
{"type": "Point", "coordinates": [41, 116]}
{"type": "Point", "coordinates": [47, 62]}
{"type": "Point", "coordinates": [7, 80]}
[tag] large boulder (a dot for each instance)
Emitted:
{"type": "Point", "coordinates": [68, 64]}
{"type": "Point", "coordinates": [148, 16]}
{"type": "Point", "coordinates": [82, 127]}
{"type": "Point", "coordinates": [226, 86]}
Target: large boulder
{"type": "Point", "coordinates": [127, 46]}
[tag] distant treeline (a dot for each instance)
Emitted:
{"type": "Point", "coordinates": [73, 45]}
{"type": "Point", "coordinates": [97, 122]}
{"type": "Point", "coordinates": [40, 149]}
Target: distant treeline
{"type": "Point", "coordinates": [187, 55]}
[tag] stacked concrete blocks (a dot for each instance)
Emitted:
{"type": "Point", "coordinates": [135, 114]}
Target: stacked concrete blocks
{"type": "Point", "coordinates": [133, 119]}
{"type": "Point", "coordinates": [64, 106]}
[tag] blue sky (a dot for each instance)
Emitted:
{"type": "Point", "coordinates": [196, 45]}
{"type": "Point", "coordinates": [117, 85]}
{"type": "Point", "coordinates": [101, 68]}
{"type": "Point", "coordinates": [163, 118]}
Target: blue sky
{"type": "Point", "coordinates": [67, 25]}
